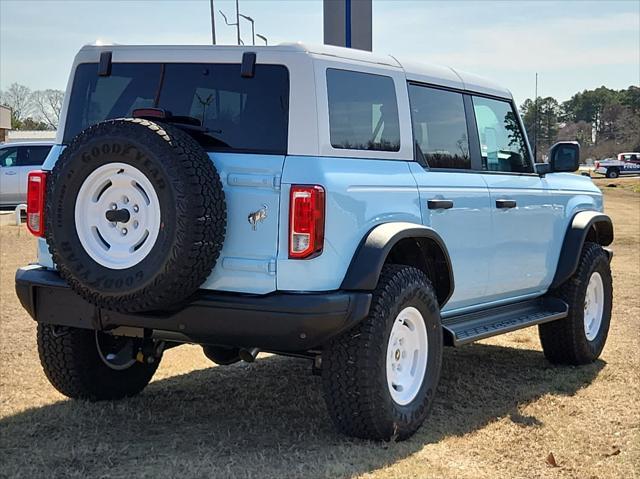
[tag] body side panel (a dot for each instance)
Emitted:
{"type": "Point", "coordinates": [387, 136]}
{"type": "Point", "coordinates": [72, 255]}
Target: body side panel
{"type": "Point", "coordinates": [360, 194]}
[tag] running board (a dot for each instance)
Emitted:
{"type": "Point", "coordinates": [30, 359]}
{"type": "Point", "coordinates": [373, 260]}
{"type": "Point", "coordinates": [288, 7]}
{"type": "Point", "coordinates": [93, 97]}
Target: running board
{"type": "Point", "coordinates": [470, 327]}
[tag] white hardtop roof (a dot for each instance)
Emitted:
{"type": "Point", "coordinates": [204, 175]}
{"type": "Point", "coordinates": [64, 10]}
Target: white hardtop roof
{"type": "Point", "coordinates": [414, 71]}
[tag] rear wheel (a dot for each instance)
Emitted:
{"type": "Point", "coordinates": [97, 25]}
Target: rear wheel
{"type": "Point", "coordinates": [613, 172]}
{"type": "Point", "coordinates": [86, 364]}
{"type": "Point", "coordinates": [581, 336]}
{"type": "Point", "coordinates": [380, 377]}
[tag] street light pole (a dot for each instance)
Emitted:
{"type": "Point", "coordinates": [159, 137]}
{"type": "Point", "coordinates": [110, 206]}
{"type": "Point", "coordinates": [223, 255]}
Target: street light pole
{"type": "Point", "coordinates": [226, 20]}
{"type": "Point", "coordinates": [238, 21]}
{"type": "Point", "coordinates": [253, 31]}
{"type": "Point", "coordinates": [213, 23]}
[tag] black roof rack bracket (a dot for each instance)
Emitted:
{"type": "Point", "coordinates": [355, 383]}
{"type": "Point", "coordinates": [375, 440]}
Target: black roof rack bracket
{"type": "Point", "coordinates": [248, 68]}
{"type": "Point", "coordinates": [104, 68]}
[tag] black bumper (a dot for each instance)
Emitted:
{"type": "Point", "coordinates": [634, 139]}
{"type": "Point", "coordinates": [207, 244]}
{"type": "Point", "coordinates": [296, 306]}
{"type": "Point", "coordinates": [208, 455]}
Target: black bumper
{"type": "Point", "coordinates": [278, 321]}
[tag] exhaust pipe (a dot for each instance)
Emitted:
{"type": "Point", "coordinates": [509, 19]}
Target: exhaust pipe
{"type": "Point", "coordinates": [248, 355]}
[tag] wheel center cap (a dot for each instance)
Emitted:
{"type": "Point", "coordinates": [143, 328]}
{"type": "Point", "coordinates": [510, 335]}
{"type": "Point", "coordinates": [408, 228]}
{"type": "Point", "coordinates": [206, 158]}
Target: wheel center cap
{"type": "Point", "coordinates": [118, 216]}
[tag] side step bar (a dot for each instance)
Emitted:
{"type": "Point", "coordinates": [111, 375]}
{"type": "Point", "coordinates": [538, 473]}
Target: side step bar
{"type": "Point", "coordinates": [470, 327]}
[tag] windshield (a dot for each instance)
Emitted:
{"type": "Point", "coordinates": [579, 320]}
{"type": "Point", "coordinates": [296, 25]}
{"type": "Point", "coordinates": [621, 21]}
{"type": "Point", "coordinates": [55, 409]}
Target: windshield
{"type": "Point", "coordinates": [239, 114]}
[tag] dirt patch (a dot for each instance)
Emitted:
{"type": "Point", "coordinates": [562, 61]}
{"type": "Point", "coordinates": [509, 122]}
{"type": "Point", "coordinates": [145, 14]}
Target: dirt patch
{"type": "Point", "coordinates": [501, 409]}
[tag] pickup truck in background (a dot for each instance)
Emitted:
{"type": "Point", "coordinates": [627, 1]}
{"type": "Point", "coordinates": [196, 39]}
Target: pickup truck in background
{"type": "Point", "coordinates": [623, 164]}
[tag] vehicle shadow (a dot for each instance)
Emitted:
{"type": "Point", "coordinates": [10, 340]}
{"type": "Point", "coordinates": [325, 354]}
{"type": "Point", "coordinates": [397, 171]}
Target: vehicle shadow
{"type": "Point", "coordinates": [265, 419]}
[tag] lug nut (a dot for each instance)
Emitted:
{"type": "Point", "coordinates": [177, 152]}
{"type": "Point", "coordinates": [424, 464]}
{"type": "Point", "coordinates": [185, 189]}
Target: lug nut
{"type": "Point", "coordinates": [124, 231]}
{"type": "Point", "coordinates": [125, 200]}
{"type": "Point", "coordinates": [135, 223]}
{"type": "Point", "coordinates": [113, 206]}
{"type": "Point", "coordinates": [136, 208]}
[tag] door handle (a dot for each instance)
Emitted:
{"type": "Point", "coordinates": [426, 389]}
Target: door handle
{"type": "Point", "coordinates": [505, 203]}
{"type": "Point", "coordinates": [439, 204]}
{"type": "Point", "coordinates": [10, 173]}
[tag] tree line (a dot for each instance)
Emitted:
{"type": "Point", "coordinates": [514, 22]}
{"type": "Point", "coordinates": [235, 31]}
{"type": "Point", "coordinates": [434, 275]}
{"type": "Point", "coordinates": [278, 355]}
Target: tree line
{"type": "Point", "coordinates": [604, 121]}
{"type": "Point", "coordinates": [32, 110]}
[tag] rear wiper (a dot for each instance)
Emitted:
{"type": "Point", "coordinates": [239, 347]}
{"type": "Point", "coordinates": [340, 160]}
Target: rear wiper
{"type": "Point", "coordinates": [184, 122]}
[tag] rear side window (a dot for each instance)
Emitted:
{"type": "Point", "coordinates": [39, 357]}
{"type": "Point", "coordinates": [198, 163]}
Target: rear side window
{"type": "Point", "coordinates": [34, 155]}
{"type": "Point", "coordinates": [363, 111]}
{"type": "Point", "coordinates": [239, 114]}
{"type": "Point", "coordinates": [502, 143]}
{"type": "Point", "coordinates": [439, 127]}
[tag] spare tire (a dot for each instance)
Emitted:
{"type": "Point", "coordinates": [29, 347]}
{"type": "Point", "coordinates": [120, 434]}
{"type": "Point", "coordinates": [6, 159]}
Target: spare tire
{"type": "Point", "coordinates": [135, 215]}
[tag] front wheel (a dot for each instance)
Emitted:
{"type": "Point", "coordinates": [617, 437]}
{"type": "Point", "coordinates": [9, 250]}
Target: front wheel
{"type": "Point", "coordinates": [85, 364]}
{"type": "Point", "coordinates": [380, 377]}
{"type": "Point", "coordinates": [580, 337]}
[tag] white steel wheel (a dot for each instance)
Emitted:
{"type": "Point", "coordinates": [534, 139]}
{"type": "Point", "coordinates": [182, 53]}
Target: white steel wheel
{"type": "Point", "coordinates": [117, 215]}
{"type": "Point", "coordinates": [407, 353]}
{"type": "Point", "coordinates": [593, 306]}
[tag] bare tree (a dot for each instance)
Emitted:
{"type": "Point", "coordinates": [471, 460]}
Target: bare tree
{"type": "Point", "coordinates": [18, 98]}
{"type": "Point", "coordinates": [47, 105]}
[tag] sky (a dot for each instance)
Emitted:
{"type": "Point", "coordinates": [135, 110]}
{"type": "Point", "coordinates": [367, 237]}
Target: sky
{"type": "Point", "coordinates": [572, 45]}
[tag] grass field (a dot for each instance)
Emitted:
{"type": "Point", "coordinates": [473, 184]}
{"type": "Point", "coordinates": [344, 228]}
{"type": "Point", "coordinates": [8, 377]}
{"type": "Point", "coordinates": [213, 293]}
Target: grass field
{"type": "Point", "coordinates": [501, 409]}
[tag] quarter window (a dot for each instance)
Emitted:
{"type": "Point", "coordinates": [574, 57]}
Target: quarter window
{"type": "Point", "coordinates": [439, 127]}
{"type": "Point", "coordinates": [363, 111]}
{"type": "Point", "coordinates": [502, 143]}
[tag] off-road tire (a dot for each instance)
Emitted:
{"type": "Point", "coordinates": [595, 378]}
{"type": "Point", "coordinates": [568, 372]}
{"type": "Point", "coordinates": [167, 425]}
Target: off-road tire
{"type": "Point", "coordinates": [70, 360]}
{"type": "Point", "coordinates": [612, 173]}
{"type": "Point", "coordinates": [564, 341]}
{"type": "Point", "coordinates": [193, 215]}
{"type": "Point", "coordinates": [353, 364]}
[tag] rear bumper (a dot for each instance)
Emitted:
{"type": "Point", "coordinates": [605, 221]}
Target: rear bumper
{"type": "Point", "coordinates": [278, 321]}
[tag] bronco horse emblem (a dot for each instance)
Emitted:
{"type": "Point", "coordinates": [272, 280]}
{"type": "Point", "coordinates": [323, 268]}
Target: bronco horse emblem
{"type": "Point", "coordinates": [257, 217]}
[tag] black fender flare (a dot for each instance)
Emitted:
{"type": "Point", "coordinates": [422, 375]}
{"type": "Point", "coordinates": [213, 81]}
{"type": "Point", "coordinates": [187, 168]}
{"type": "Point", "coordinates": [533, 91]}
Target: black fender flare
{"type": "Point", "coordinates": [591, 225]}
{"type": "Point", "coordinates": [368, 260]}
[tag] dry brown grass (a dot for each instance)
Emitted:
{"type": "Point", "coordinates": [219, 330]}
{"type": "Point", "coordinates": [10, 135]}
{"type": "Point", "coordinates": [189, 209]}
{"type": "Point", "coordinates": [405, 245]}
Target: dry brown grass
{"type": "Point", "coordinates": [500, 410]}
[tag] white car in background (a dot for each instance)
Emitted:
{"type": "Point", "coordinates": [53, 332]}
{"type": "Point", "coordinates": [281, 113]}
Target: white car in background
{"type": "Point", "coordinates": [623, 164]}
{"type": "Point", "coordinates": [16, 161]}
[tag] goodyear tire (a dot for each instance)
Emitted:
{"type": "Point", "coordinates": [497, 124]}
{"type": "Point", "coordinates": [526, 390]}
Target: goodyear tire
{"type": "Point", "coordinates": [74, 365]}
{"type": "Point", "coordinates": [380, 377]}
{"type": "Point", "coordinates": [135, 216]}
{"type": "Point", "coordinates": [580, 337]}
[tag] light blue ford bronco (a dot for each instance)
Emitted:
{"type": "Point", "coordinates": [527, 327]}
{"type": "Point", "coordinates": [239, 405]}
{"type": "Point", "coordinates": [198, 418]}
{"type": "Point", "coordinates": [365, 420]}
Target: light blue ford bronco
{"type": "Point", "coordinates": [316, 202]}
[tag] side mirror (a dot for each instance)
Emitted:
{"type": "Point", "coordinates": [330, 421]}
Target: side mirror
{"type": "Point", "coordinates": [565, 156]}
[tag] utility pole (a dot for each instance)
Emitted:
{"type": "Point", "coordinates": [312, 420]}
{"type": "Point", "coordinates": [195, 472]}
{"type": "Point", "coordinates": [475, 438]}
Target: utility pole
{"type": "Point", "coordinates": [535, 123]}
{"type": "Point", "coordinates": [213, 23]}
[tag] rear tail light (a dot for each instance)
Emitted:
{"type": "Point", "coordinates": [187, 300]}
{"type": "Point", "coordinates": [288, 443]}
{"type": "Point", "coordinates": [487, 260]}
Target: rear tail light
{"type": "Point", "coordinates": [36, 185]}
{"type": "Point", "coordinates": [306, 221]}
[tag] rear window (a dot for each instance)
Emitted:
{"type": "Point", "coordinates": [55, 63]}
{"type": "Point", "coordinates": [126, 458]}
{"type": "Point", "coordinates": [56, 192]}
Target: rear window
{"type": "Point", "coordinates": [239, 114]}
{"type": "Point", "coordinates": [363, 111]}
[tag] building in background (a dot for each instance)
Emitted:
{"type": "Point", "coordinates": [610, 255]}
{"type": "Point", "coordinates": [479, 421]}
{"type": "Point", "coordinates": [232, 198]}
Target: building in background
{"type": "Point", "coordinates": [5, 122]}
{"type": "Point", "coordinates": [30, 135]}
